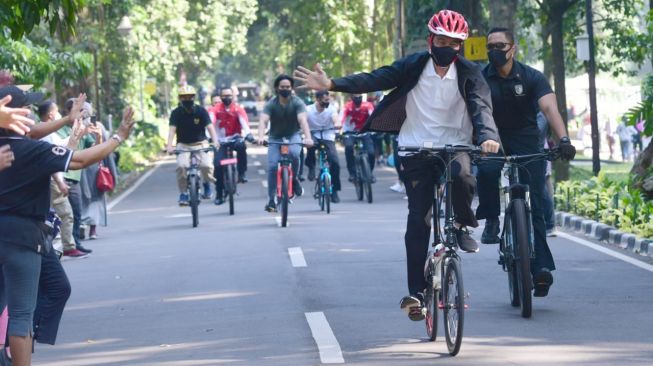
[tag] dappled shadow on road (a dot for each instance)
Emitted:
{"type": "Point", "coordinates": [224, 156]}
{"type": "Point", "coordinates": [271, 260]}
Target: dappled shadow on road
{"type": "Point", "coordinates": [504, 350]}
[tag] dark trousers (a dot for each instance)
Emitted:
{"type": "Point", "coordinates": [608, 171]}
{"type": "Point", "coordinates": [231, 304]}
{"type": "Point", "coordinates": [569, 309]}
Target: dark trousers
{"type": "Point", "coordinates": [533, 175]}
{"type": "Point", "coordinates": [420, 176]}
{"type": "Point", "coordinates": [75, 199]}
{"type": "Point", "coordinates": [332, 158]}
{"type": "Point", "coordinates": [549, 210]}
{"type": "Point", "coordinates": [54, 291]}
{"type": "Point", "coordinates": [368, 145]}
{"type": "Point", "coordinates": [241, 151]}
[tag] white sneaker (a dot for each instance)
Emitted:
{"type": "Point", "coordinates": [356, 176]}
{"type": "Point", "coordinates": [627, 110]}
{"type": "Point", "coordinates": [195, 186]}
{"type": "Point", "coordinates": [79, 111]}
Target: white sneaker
{"type": "Point", "coordinates": [552, 233]}
{"type": "Point", "coordinates": [398, 187]}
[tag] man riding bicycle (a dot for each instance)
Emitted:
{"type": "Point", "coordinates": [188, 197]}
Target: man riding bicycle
{"type": "Point", "coordinates": [323, 116]}
{"type": "Point", "coordinates": [189, 123]}
{"type": "Point", "coordinates": [286, 114]}
{"type": "Point", "coordinates": [438, 97]}
{"type": "Point", "coordinates": [355, 114]}
{"type": "Point", "coordinates": [518, 91]}
{"type": "Point", "coordinates": [230, 120]}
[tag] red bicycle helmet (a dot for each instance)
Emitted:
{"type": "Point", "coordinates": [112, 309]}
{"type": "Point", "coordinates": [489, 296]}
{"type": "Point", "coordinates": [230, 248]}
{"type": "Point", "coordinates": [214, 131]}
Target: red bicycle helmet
{"type": "Point", "coordinates": [449, 23]}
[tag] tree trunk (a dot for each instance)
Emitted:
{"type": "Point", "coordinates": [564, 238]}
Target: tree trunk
{"type": "Point", "coordinates": [502, 13]}
{"type": "Point", "coordinates": [640, 169]}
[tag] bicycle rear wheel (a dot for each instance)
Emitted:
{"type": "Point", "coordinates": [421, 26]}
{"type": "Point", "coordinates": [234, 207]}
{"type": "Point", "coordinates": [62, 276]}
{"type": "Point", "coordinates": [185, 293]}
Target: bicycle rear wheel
{"type": "Point", "coordinates": [367, 179]}
{"type": "Point", "coordinates": [318, 193]}
{"type": "Point", "coordinates": [326, 193]}
{"type": "Point", "coordinates": [453, 297]}
{"type": "Point", "coordinates": [284, 196]}
{"type": "Point", "coordinates": [522, 255]}
{"type": "Point", "coordinates": [431, 318]}
{"type": "Point", "coordinates": [194, 184]}
{"type": "Point", "coordinates": [508, 262]}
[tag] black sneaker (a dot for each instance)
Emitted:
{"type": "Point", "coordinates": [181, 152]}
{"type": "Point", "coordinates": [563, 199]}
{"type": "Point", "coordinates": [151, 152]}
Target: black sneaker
{"type": "Point", "coordinates": [413, 305]}
{"type": "Point", "coordinates": [218, 201]}
{"type": "Point", "coordinates": [465, 241]}
{"type": "Point", "coordinates": [334, 197]}
{"type": "Point", "coordinates": [243, 179]}
{"type": "Point", "coordinates": [491, 231]}
{"type": "Point", "coordinates": [542, 281]}
{"type": "Point", "coordinates": [297, 189]}
{"type": "Point", "coordinates": [373, 180]}
{"type": "Point", "coordinates": [85, 250]}
{"type": "Point", "coordinates": [311, 174]}
{"type": "Point", "coordinates": [351, 179]}
{"type": "Point", "coordinates": [271, 206]}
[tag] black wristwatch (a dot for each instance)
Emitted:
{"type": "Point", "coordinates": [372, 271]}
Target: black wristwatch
{"type": "Point", "coordinates": [565, 140]}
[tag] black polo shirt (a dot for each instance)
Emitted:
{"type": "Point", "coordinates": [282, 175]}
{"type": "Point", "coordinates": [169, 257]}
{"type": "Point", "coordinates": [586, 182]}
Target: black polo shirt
{"type": "Point", "coordinates": [25, 188]}
{"type": "Point", "coordinates": [191, 126]}
{"type": "Point", "coordinates": [515, 98]}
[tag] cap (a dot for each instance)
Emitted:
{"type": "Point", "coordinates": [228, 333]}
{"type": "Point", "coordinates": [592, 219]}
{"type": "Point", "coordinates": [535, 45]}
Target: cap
{"type": "Point", "coordinates": [20, 98]}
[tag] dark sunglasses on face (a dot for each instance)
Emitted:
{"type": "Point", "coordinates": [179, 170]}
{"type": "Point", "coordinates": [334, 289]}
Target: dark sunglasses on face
{"type": "Point", "coordinates": [497, 46]}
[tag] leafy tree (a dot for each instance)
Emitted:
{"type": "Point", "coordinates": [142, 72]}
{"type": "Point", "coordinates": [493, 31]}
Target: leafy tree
{"type": "Point", "coordinates": [22, 16]}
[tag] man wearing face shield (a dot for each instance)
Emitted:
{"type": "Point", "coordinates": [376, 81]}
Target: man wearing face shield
{"type": "Point", "coordinates": [230, 119]}
{"type": "Point", "coordinates": [189, 123]}
{"type": "Point", "coordinates": [518, 93]}
{"type": "Point", "coordinates": [438, 97]}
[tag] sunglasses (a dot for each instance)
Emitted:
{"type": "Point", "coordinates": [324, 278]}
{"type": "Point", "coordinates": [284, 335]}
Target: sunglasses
{"type": "Point", "coordinates": [497, 46]}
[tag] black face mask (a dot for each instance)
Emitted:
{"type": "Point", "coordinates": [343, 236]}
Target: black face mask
{"type": "Point", "coordinates": [498, 58]}
{"type": "Point", "coordinates": [227, 101]}
{"type": "Point", "coordinates": [324, 105]}
{"type": "Point", "coordinates": [285, 92]}
{"type": "Point", "coordinates": [443, 56]}
{"type": "Point", "coordinates": [188, 104]}
{"type": "Point", "coordinates": [357, 101]}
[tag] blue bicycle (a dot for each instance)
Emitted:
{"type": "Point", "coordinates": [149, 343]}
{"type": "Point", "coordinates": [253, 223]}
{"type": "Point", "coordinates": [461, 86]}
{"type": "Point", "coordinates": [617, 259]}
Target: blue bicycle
{"type": "Point", "coordinates": [323, 185]}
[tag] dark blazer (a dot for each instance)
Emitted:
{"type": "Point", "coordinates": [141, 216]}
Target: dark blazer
{"type": "Point", "coordinates": [403, 76]}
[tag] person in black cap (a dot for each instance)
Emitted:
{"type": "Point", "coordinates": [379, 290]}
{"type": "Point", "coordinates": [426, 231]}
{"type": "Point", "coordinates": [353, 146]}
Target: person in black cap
{"type": "Point", "coordinates": [24, 205]}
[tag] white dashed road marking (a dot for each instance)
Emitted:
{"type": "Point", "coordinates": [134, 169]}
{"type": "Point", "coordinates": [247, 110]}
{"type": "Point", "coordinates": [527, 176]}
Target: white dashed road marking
{"type": "Point", "coordinates": [261, 171]}
{"type": "Point", "coordinates": [297, 257]}
{"type": "Point", "coordinates": [326, 341]}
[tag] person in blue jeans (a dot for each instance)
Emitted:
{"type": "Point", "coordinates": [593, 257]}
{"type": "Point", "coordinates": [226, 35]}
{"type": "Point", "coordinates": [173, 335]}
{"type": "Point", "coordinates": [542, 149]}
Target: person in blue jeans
{"type": "Point", "coordinates": [286, 114]}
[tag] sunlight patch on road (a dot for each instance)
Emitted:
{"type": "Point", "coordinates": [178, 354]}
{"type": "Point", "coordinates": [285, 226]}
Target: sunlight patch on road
{"type": "Point", "coordinates": [210, 296]}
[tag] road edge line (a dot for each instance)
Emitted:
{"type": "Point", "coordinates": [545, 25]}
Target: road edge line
{"type": "Point", "coordinates": [326, 341]}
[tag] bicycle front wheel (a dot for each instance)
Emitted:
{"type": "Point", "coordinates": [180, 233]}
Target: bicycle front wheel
{"type": "Point", "coordinates": [453, 297]}
{"type": "Point", "coordinates": [431, 303]}
{"type": "Point", "coordinates": [230, 183]}
{"type": "Point", "coordinates": [194, 184]}
{"type": "Point", "coordinates": [326, 193]}
{"type": "Point", "coordinates": [359, 180]}
{"type": "Point", "coordinates": [522, 255]}
{"type": "Point", "coordinates": [367, 179]}
{"type": "Point", "coordinates": [284, 196]}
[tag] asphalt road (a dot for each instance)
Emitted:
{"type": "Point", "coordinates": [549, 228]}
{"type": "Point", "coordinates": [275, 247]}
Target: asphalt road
{"type": "Point", "coordinates": [155, 291]}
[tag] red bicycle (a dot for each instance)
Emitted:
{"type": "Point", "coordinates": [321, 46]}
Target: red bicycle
{"type": "Point", "coordinates": [284, 178]}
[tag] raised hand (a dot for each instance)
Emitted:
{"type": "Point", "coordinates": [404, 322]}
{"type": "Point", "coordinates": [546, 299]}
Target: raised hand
{"type": "Point", "coordinates": [316, 80]}
{"type": "Point", "coordinates": [76, 110]}
{"type": "Point", "coordinates": [14, 119]}
{"type": "Point", "coordinates": [127, 123]}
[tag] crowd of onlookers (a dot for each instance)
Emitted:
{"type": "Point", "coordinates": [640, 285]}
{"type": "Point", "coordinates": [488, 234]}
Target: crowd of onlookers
{"type": "Point", "coordinates": [53, 178]}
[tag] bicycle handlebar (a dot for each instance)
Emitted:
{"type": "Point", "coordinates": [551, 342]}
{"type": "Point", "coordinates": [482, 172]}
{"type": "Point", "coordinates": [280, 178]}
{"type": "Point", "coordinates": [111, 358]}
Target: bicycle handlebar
{"type": "Point", "coordinates": [266, 143]}
{"type": "Point", "coordinates": [204, 149]}
{"type": "Point", "coordinates": [450, 149]}
{"type": "Point", "coordinates": [549, 154]}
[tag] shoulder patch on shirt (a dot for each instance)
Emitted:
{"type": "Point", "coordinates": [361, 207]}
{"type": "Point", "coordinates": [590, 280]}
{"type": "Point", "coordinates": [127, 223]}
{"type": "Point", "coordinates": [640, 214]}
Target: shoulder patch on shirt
{"type": "Point", "coordinates": [519, 89]}
{"type": "Point", "coordinates": [59, 150]}
{"type": "Point", "coordinates": [197, 121]}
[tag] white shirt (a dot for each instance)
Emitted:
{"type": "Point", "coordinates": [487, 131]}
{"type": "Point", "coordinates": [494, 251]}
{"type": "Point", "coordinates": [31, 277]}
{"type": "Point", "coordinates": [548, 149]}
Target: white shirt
{"type": "Point", "coordinates": [322, 120]}
{"type": "Point", "coordinates": [436, 112]}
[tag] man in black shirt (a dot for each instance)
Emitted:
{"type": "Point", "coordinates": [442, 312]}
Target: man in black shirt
{"type": "Point", "coordinates": [189, 122]}
{"type": "Point", "coordinates": [518, 92]}
{"type": "Point", "coordinates": [24, 204]}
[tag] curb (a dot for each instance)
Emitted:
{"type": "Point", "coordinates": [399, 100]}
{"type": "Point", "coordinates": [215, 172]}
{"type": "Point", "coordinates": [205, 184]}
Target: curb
{"type": "Point", "coordinates": [605, 233]}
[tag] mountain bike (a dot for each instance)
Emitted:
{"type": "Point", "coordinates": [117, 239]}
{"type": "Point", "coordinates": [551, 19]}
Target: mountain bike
{"type": "Point", "coordinates": [517, 238]}
{"type": "Point", "coordinates": [323, 185]}
{"type": "Point", "coordinates": [363, 178]}
{"type": "Point", "coordinates": [284, 177]}
{"type": "Point", "coordinates": [193, 180]}
{"type": "Point", "coordinates": [443, 266]}
{"type": "Point", "coordinates": [229, 171]}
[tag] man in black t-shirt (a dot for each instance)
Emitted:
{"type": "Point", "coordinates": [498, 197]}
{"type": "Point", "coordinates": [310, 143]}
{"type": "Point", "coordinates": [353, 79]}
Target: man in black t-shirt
{"type": "Point", "coordinates": [189, 123]}
{"type": "Point", "coordinates": [518, 92]}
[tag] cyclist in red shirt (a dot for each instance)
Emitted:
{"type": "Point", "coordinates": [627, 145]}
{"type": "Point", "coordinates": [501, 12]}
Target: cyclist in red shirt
{"type": "Point", "coordinates": [230, 119]}
{"type": "Point", "coordinates": [355, 114]}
